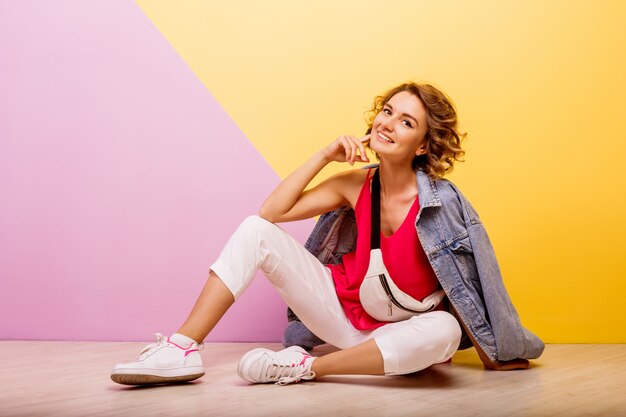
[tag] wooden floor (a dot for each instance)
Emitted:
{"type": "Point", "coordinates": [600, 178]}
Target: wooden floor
{"type": "Point", "coordinates": [72, 379]}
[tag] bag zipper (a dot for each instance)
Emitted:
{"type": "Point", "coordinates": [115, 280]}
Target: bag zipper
{"type": "Point", "coordinates": [391, 300]}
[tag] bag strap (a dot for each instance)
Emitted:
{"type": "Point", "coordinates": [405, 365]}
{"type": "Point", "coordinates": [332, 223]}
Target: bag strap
{"type": "Point", "coordinates": [375, 212]}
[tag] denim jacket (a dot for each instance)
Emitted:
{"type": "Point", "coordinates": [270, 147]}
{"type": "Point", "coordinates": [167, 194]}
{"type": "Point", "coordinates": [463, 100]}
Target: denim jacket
{"type": "Point", "coordinates": [462, 257]}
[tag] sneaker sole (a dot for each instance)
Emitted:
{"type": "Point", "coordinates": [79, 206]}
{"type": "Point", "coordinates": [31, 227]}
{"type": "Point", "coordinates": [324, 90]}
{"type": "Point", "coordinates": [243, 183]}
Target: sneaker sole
{"type": "Point", "coordinates": [139, 379]}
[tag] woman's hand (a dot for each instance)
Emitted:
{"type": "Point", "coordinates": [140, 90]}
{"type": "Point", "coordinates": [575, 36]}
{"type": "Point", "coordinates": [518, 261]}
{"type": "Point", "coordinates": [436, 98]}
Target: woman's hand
{"type": "Point", "coordinates": [347, 149]}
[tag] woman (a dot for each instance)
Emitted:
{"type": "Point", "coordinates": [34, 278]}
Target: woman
{"type": "Point", "coordinates": [413, 129]}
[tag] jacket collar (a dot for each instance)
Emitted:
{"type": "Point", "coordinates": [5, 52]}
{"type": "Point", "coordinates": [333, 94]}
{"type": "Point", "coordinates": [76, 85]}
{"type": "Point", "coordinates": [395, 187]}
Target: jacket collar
{"type": "Point", "coordinates": [427, 190]}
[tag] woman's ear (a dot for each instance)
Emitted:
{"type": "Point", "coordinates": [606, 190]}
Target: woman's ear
{"type": "Point", "coordinates": [421, 150]}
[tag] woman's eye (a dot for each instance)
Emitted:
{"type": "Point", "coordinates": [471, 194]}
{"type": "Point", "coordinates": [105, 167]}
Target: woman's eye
{"type": "Point", "coordinates": [388, 112]}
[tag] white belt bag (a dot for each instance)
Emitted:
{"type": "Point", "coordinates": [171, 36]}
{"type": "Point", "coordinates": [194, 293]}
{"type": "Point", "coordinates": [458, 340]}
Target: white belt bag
{"type": "Point", "coordinates": [380, 296]}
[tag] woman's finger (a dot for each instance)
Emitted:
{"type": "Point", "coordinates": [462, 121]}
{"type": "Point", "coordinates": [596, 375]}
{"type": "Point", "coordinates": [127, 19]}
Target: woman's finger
{"type": "Point", "coordinates": [363, 141]}
{"type": "Point", "coordinates": [345, 145]}
{"type": "Point", "coordinates": [352, 150]}
{"type": "Point", "coordinates": [359, 144]}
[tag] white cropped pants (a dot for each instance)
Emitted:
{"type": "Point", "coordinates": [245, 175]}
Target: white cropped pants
{"type": "Point", "coordinates": [306, 285]}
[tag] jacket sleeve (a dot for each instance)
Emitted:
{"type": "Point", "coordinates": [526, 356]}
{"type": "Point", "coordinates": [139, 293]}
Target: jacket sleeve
{"type": "Point", "coordinates": [512, 340]}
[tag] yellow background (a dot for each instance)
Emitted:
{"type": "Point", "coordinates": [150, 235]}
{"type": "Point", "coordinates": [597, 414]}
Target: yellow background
{"type": "Point", "coordinates": [539, 87]}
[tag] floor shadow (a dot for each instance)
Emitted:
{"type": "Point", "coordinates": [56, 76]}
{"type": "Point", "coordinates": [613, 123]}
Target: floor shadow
{"type": "Point", "coordinates": [171, 385]}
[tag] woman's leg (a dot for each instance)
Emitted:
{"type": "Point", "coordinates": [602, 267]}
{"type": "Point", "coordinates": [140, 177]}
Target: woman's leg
{"type": "Point", "coordinates": [302, 281]}
{"type": "Point", "coordinates": [300, 278]}
{"type": "Point", "coordinates": [213, 302]}
{"type": "Point", "coordinates": [307, 287]}
{"type": "Point", "coordinates": [394, 349]}
{"type": "Point", "coordinates": [362, 359]}
{"type": "Point", "coordinates": [259, 244]}
{"type": "Point", "coordinates": [397, 348]}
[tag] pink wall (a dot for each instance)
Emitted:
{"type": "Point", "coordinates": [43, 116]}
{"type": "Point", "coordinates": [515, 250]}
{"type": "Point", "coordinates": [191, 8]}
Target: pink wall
{"type": "Point", "coordinates": [120, 180]}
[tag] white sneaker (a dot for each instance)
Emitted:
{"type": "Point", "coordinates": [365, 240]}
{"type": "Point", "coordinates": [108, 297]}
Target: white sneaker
{"type": "Point", "coordinates": [284, 367]}
{"type": "Point", "coordinates": [161, 362]}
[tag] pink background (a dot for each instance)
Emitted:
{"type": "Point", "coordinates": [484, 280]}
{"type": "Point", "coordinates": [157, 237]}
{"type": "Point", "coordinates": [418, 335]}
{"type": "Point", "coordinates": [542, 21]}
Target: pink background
{"type": "Point", "coordinates": [121, 178]}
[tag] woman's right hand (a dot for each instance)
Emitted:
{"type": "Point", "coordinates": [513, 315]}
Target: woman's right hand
{"type": "Point", "coordinates": [347, 148]}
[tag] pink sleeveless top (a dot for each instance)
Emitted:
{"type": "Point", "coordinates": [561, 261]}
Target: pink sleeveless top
{"type": "Point", "coordinates": [403, 256]}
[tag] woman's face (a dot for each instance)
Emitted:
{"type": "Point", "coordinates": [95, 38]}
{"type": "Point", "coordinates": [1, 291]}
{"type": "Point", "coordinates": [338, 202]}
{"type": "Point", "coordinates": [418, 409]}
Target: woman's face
{"type": "Point", "coordinates": [399, 129]}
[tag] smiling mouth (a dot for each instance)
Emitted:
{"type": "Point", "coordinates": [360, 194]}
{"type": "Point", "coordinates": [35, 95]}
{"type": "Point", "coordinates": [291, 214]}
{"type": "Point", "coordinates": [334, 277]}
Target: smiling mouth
{"type": "Point", "coordinates": [383, 138]}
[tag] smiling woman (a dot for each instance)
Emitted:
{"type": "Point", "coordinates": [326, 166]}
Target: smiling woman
{"type": "Point", "coordinates": [399, 219]}
{"type": "Point", "coordinates": [439, 123]}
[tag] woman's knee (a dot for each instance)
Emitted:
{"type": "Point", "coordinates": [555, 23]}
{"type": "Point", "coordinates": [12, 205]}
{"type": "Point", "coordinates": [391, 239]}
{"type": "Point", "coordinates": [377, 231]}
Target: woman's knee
{"type": "Point", "coordinates": [255, 221]}
{"type": "Point", "coordinates": [419, 342]}
{"type": "Point", "coordinates": [255, 224]}
{"type": "Point", "coordinates": [448, 327]}
{"type": "Point", "coordinates": [444, 332]}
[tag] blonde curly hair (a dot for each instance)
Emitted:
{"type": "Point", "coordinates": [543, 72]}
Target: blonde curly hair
{"type": "Point", "coordinates": [443, 139]}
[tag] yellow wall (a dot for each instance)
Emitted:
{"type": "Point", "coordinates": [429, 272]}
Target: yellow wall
{"type": "Point", "coordinates": [539, 86]}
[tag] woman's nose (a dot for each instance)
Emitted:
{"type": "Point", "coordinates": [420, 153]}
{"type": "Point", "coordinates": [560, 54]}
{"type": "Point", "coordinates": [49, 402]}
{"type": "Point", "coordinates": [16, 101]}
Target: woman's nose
{"type": "Point", "coordinates": [387, 124]}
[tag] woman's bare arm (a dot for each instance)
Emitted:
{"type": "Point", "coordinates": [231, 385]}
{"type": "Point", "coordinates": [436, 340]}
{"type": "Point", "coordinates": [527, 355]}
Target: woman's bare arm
{"type": "Point", "coordinates": [289, 201]}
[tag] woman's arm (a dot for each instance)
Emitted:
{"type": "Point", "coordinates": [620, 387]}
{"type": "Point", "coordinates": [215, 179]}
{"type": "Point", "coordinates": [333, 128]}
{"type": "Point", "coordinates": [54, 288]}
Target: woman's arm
{"type": "Point", "coordinates": [289, 201]}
